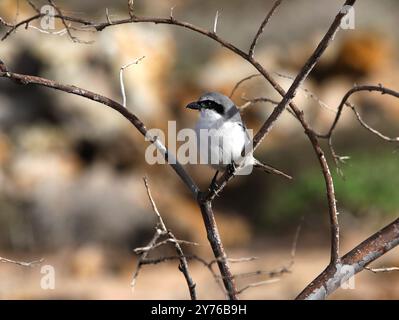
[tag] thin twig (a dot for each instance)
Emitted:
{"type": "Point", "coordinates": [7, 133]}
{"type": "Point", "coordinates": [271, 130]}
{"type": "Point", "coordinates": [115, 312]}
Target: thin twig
{"type": "Point", "coordinates": [161, 243]}
{"type": "Point", "coordinates": [239, 83]}
{"type": "Point", "coordinates": [130, 5]}
{"type": "Point", "coordinates": [379, 270]}
{"type": "Point", "coordinates": [71, 36]}
{"type": "Point", "coordinates": [356, 259]}
{"type": "Point", "coordinates": [121, 82]}
{"type": "Point", "coordinates": [55, 33]}
{"type": "Point", "coordinates": [206, 264]}
{"type": "Point", "coordinates": [258, 284]}
{"type": "Point", "coordinates": [262, 27]}
{"type": "Point", "coordinates": [34, 7]}
{"type": "Point", "coordinates": [162, 230]}
{"type": "Point", "coordinates": [372, 130]}
{"type": "Point", "coordinates": [107, 16]}
{"type": "Point", "coordinates": [308, 93]}
{"type": "Point", "coordinates": [344, 102]}
{"type": "Point", "coordinates": [171, 12]}
{"type": "Point", "coordinates": [215, 22]}
{"type": "Point", "coordinates": [21, 263]}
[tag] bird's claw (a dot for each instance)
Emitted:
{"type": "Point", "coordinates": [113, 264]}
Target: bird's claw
{"type": "Point", "coordinates": [231, 168]}
{"type": "Point", "coordinates": [214, 186]}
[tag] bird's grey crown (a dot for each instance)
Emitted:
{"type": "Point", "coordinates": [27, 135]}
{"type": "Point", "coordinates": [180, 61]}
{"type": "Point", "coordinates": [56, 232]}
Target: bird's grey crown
{"type": "Point", "coordinates": [231, 112]}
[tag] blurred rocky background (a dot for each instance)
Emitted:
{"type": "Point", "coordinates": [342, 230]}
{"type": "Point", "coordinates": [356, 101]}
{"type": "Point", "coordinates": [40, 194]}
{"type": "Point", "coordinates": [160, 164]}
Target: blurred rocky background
{"type": "Point", "coordinates": [71, 170]}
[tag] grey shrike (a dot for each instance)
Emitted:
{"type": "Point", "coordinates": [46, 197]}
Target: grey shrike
{"type": "Point", "coordinates": [222, 135]}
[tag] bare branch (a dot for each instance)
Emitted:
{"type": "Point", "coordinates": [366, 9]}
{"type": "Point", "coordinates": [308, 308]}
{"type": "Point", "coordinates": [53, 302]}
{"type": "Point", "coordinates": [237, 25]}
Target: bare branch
{"type": "Point", "coordinates": [259, 99]}
{"type": "Point", "coordinates": [346, 97]}
{"type": "Point", "coordinates": [217, 245]}
{"type": "Point", "coordinates": [239, 83]}
{"type": "Point", "coordinates": [258, 284]}
{"type": "Point", "coordinates": [305, 71]}
{"type": "Point", "coordinates": [107, 16]}
{"type": "Point", "coordinates": [379, 270]}
{"type": "Point", "coordinates": [130, 5]}
{"type": "Point", "coordinates": [122, 85]}
{"type": "Point", "coordinates": [34, 7]}
{"type": "Point", "coordinates": [21, 263]}
{"type": "Point", "coordinates": [308, 93]}
{"type": "Point", "coordinates": [262, 27]}
{"type": "Point", "coordinates": [143, 255]}
{"type": "Point", "coordinates": [355, 260]}
{"type": "Point", "coordinates": [55, 33]}
{"type": "Point", "coordinates": [161, 230]}
{"type": "Point", "coordinates": [71, 36]}
{"type": "Point", "coordinates": [372, 130]}
{"type": "Point", "coordinates": [171, 12]}
{"type": "Point", "coordinates": [161, 243]}
{"type": "Point", "coordinates": [344, 102]}
{"type": "Point", "coordinates": [5, 23]}
{"type": "Point", "coordinates": [134, 120]}
{"type": "Point", "coordinates": [208, 265]}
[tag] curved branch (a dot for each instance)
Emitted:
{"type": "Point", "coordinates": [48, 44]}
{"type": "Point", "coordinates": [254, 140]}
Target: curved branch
{"type": "Point", "coordinates": [239, 83]}
{"type": "Point", "coordinates": [344, 102]}
{"type": "Point", "coordinates": [205, 206]}
{"type": "Point", "coordinates": [27, 79]}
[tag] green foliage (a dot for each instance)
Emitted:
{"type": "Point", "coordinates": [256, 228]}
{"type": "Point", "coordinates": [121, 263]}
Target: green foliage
{"type": "Point", "coordinates": [370, 186]}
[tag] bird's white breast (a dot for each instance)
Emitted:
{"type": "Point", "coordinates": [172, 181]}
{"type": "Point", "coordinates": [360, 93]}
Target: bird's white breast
{"type": "Point", "coordinates": [220, 142]}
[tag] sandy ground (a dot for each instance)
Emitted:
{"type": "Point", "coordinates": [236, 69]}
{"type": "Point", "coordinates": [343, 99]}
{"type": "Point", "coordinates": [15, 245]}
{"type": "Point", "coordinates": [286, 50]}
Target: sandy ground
{"type": "Point", "coordinates": [89, 275]}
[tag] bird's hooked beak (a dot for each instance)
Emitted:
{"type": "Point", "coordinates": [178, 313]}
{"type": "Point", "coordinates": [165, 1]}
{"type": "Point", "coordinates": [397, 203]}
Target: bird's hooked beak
{"type": "Point", "coordinates": [194, 105]}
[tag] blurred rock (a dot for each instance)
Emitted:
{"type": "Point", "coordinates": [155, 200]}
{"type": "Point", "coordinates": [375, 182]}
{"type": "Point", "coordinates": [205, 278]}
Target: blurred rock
{"type": "Point", "coordinates": [365, 53]}
{"type": "Point", "coordinates": [87, 262]}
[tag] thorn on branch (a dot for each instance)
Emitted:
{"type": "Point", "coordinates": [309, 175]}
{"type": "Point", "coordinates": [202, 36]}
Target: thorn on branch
{"type": "Point", "coordinates": [121, 82]}
{"type": "Point", "coordinates": [171, 13]}
{"type": "Point", "coordinates": [107, 16]}
{"type": "Point", "coordinates": [215, 22]}
{"type": "Point", "coordinates": [130, 5]}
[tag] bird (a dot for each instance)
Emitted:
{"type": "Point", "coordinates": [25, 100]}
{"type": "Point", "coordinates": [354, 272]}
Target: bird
{"type": "Point", "coordinates": [222, 136]}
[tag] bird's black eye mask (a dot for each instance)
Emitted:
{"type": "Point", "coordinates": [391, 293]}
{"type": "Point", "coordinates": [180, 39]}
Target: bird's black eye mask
{"type": "Point", "coordinates": [212, 105]}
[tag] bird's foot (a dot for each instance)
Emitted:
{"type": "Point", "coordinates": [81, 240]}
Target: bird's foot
{"type": "Point", "coordinates": [231, 168]}
{"type": "Point", "coordinates": [214, 186]}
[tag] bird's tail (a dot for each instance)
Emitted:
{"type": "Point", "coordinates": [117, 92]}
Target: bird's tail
{"type": "Point", "coordinates": [270, 169]}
